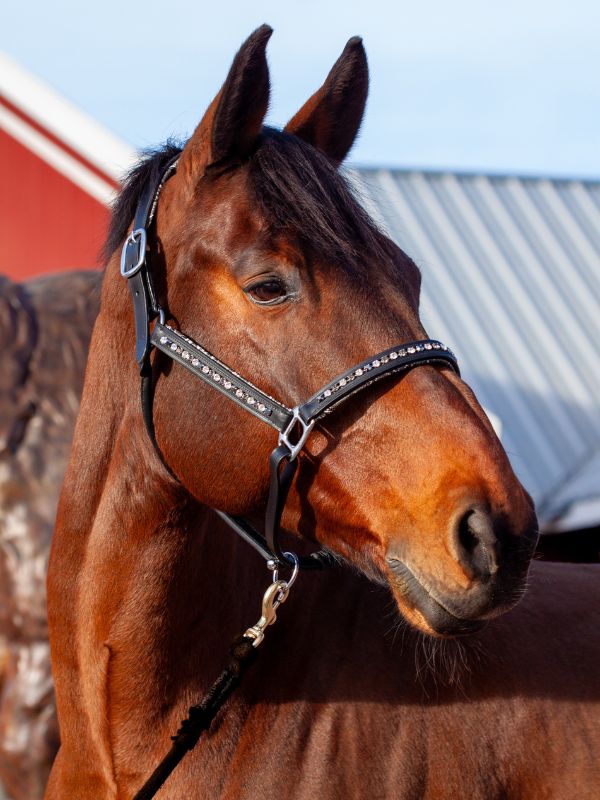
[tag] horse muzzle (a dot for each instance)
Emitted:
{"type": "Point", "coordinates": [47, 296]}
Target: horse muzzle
{"type": "Point", "coordinates": [494, 563]}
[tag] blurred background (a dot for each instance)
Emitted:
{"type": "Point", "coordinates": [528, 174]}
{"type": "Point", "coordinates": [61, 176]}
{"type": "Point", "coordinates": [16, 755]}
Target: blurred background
{"type": "Point", "coordinates": [479, 154]}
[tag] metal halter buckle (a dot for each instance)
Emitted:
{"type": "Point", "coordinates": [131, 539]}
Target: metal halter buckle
{"type": "Point", "coordinates": [306, 428]}
{"type": "Point", "coordinates": [136, 237]}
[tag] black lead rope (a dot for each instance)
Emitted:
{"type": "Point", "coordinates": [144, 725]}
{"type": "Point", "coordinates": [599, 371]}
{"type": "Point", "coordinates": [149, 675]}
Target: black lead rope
{"type": "Point", "coordinates": [200, 716]}
{"type": "Point", "coordinates": [242, 654]}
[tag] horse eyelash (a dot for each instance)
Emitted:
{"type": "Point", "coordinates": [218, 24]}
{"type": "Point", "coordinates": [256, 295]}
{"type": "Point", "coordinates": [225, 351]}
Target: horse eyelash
{"type": "Point", "coordinates": [291, 295]}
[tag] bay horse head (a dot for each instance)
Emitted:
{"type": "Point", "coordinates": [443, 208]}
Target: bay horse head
{"type": "Point", "coordinates": [262, 253]}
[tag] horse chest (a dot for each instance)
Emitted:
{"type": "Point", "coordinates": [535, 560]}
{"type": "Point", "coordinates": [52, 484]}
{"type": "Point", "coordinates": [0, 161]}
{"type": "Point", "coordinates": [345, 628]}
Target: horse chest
{"type": "Point", "coordinates": [302, 750]}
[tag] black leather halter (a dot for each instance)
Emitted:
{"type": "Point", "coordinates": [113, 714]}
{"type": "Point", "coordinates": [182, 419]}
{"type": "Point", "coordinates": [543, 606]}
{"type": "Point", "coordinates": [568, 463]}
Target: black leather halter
{"type": "Point", "coordinates": [293, 424]}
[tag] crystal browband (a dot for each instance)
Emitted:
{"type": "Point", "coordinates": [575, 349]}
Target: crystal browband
{"type": "Point", "coordinates": [212, 371]}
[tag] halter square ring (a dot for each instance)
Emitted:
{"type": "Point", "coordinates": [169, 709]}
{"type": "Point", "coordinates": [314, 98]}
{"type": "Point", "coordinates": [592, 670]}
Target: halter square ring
{"type": "Point", "coordinates": [305, 429]}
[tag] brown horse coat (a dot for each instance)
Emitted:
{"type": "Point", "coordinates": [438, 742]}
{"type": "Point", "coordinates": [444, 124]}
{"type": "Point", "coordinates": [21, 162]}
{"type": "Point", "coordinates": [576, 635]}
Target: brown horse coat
{"type": "Point", "coordinates": [261, 254]}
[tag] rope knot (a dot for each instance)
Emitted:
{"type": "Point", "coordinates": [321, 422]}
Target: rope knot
{"type": "Point", "coordinates": [191, 728]}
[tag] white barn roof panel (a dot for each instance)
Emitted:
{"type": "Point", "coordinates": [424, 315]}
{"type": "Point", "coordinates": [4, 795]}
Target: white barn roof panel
{"type": "Point", "coordinates": [511, 270]}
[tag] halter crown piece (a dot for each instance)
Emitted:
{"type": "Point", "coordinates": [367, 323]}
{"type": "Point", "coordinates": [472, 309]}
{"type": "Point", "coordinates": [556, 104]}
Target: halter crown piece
{"type": "Point", "coordinates": [293, 424]}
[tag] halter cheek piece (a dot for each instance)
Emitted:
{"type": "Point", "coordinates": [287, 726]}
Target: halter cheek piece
{"type": "Point", "coordinates": [293, 424]}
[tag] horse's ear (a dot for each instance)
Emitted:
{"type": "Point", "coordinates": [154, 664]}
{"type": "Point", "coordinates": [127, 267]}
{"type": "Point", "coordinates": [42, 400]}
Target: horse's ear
{"type": "Point", "coordinates": [233, 121]}
{"type": "Point", "coordinates": [331, 118]}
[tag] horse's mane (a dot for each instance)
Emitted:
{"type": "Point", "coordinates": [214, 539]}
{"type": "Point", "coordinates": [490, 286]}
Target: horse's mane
{"type": "Point", "coordinates": [298, 190]}
{"type": "Point", "coordinates": [301, 191]}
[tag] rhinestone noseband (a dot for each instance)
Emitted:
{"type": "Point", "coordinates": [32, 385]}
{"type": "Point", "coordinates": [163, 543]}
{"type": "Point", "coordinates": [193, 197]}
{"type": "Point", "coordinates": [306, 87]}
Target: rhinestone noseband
{"type": "Point", "coordinates": [294, 425]}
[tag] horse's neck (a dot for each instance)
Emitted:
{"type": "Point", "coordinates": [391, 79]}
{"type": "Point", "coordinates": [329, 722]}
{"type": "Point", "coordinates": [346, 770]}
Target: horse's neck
{"type": "Point", "coordinates": [151, 568]}
{"type": "Point", "coordinates": [147, 591]}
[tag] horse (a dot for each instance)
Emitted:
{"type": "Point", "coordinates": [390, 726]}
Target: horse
{"type": "Point", "coordinates": [406, 667]}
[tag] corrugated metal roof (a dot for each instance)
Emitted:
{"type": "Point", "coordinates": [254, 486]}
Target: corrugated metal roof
{"type": "Point", "coordinates": [511, 280]}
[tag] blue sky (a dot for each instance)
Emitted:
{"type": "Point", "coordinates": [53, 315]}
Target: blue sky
{"type": "Point", "coordinates": [511, 86]}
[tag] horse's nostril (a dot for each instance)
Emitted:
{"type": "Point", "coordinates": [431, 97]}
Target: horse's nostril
{"type": "Point", "coordinates": [477, 544]}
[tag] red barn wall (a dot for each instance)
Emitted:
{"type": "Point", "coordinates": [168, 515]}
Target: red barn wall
{"type": "Point", "coordinates": [48, 223]}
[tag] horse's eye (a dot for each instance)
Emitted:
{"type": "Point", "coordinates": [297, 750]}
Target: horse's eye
{"type": "Point", "coordinates": [268, 292]}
